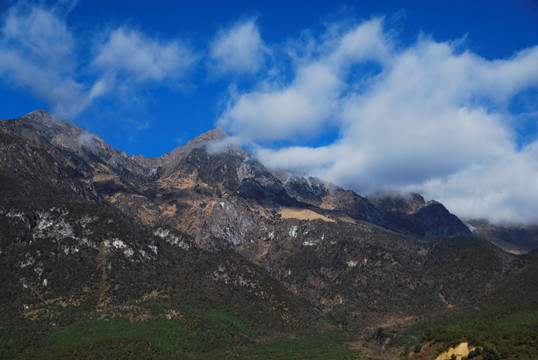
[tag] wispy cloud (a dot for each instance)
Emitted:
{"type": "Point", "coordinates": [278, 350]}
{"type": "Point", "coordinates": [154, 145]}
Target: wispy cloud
{"type": "Point", "coordinates": [136, 57]}
{"type": "Point", "coordinates": [37, 52]}
{"type": "Point", "coordinates": [424, 117]}
{"type": "Point", "coordinates": [238, 49]}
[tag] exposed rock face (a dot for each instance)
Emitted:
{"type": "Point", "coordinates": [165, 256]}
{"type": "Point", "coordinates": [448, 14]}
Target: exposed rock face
{"type": "Point", "coordinates": [330, 197]}
{"type": "Point", "coordinates": [309, 190]}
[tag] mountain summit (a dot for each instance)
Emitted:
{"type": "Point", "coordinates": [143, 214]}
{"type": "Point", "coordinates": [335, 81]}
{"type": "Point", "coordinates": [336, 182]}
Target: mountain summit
{"type": "Point", "coordinates": [201, 141]}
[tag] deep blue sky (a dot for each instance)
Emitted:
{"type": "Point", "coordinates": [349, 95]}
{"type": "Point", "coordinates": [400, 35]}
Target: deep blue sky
{"type": "Point", "coordinates": [280, 77]}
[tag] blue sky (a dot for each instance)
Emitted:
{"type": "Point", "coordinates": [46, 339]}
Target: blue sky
{"type": "Point", "coordinates": [439, 97]}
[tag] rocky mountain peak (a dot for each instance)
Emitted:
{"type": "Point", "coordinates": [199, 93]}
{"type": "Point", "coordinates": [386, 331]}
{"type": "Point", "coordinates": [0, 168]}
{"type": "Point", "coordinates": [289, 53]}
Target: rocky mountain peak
{"type": "Point", "coordinates": [41, 127]}
{"type": "Point", "coordinates": [210, 135]}
{"type": "Point", "coordinates": [410, 213]}
{"type": "Point", "coordinates": [38, 115]}
{"type": "Point", "coordinates": [399, 203]}
{"type": "Point", "coordinates": [201, 141]}
{"type": "Point", "coordinates": [43, 121]}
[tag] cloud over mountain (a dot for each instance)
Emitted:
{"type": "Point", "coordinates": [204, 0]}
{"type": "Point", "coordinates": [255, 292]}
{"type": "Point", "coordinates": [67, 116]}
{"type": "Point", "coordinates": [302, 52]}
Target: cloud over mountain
{"type": "Point", "coordinates": [419, 117]}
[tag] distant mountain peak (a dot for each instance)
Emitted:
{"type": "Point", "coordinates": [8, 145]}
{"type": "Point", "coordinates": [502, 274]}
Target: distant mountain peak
{"type": "Point", "coordinates": [210, 135]}
{"type": "Point", "coordinates": [43, 117]}
{"type": "Point", "coordinates": [37, 114]}
{"type": "Point", "coordinates": [201, 141]}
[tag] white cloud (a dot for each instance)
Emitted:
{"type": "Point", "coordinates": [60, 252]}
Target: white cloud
{"type": "Point", "coordinates": [502, 79]}
{"type": "Point", "coordinates": [295, 111]}
{"type": "Point", "coordinates": [313, 98]}
{"type": "Point", "coordinates": [238, 50]}
{"type": "Point", "coordinates": [431, 118]}
{"type": "Point", "coordinates": [141, 58]}
{"type": "Point", "coordinates": [299, 157]}
{"type": "Point", "coordinates": [366, 42]}
{"type": "Point", "coordinates": [504, 189]}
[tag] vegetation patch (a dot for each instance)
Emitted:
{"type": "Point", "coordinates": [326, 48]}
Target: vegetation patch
{"type": "Point", "coordinates": [218, 336]}
{"type": "Point", "coordinates": [511, 335]}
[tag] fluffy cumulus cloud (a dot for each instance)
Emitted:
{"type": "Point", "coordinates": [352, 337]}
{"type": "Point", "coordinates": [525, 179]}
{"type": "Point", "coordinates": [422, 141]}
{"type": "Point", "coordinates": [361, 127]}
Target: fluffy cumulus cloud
{"type": "Point", "coordinates": [302, 107]}
{"type": "Point", "coordinates": [503, 189]}
{"type": "Point", "coordinates": [297, 110]}
{"type": "Point", "coordinates": [238, 50]}
{"type": "Point", "coordinates": [431, 116]}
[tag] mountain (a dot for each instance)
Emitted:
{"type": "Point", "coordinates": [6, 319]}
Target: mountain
{"type": "Point", "coordinates": [516, 239]}
{"type": "Point", "coordinates": [411, 214]}
{"type": "Point", "coordinates": [207, 241]}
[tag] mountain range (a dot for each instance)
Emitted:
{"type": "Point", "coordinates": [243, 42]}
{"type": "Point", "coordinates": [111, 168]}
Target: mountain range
{"type": "Point", "coordinates": [223, 257]}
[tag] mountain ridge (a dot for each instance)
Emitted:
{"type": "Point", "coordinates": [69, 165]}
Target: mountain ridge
{"type": "Point", "coordinates": [221, 230]}
{"type": "Point", "coordinates": [88, 140]}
